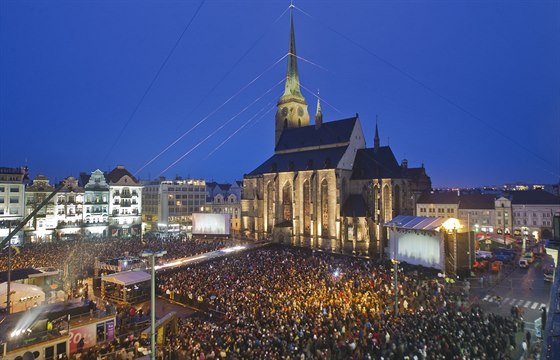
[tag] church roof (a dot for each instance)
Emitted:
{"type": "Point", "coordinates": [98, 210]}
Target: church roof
{"type": "Point", "coordinates": [302, 160]}
{"type": "Point", "coordinates": [355, 206]}
{"type": "Point", "coordinates": [329, 133]}
{"type": "Point", "coordinates": [372, 164]}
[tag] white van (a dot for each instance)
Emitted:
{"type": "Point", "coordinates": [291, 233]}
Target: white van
{"type": "Point", "coordinates": [523, 263]}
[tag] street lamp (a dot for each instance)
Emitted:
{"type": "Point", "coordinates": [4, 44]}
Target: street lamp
{"type": "Point", "coordinates": [152, 255]}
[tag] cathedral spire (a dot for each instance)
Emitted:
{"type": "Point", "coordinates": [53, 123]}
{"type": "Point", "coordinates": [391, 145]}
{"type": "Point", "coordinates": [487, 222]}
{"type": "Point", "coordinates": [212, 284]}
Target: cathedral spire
{"type": "Point", "coordinates": [292, 77]}
{"type": "Point", "coordinates": [376, 138]}
{"type": "Point", "coordinates": [319, 113]}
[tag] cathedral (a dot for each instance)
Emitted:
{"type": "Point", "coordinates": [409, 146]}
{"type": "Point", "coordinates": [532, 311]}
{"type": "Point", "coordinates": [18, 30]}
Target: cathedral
{"type": "Point", "coordinates": [323, 188]}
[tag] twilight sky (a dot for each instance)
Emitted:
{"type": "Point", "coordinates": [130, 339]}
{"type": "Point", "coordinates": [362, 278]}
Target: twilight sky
{"type": "Point", "coordinates": [469, 88]}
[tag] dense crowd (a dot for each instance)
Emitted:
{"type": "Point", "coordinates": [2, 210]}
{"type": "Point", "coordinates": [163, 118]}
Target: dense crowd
{"type": "Point", "coordinates": [80, 255]}
{"type": "Point", "coordinates": [297, 304]}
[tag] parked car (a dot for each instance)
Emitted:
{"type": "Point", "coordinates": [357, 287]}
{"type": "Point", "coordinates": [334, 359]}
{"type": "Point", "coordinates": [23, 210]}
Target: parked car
{"type": "Point", "coordinates": [548, 273]}
{"type": "Point", "coordinates": [523, 263]}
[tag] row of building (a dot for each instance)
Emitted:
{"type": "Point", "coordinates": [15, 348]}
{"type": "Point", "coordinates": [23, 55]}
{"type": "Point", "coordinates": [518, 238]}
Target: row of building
{"type": "Point", "coordinates": [107, 204]}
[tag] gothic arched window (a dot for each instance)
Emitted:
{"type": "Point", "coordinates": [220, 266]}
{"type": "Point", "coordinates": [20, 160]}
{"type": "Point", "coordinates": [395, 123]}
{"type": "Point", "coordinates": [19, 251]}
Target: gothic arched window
{"type": "Point", "coordinates": [306, 208]}
{"type": "Point", "coordinates": [324, 208]}
{"type": "Point", "coordinates": [287, 202]}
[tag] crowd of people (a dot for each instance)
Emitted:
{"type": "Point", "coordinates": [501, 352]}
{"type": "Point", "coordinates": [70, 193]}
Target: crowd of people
{"type": "Point", "coordinates": [79, 255]}
{"type": "Point", "coordinates": [298, 304]}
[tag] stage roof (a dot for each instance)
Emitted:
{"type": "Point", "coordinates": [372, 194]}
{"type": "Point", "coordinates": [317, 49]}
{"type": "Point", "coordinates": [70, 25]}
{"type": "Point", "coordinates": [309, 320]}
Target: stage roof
{"type": "Point", "coordinates": [416, 222]}
{"type": "Point", "coordinates": [127, 277]}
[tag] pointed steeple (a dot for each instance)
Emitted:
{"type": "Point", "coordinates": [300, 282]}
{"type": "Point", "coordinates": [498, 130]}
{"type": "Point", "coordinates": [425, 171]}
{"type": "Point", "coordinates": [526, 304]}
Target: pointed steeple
{"type": "Point", "coordinates": [319, 113]}
{"type": "Point", "coordinates": [292, 78]}
{"type": "Point", "coordinates": [376, 138]}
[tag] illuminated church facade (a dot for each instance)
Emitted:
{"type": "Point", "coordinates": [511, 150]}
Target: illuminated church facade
{"type": "Point", "coordinates": [323, 188]}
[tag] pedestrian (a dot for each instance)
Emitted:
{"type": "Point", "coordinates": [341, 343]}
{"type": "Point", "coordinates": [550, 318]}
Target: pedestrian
{"type": "Point", "coordinates": [528, 338]}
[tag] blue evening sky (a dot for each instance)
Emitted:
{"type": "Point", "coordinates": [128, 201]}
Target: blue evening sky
{"type": "Point", "coordinates": [469, 88]}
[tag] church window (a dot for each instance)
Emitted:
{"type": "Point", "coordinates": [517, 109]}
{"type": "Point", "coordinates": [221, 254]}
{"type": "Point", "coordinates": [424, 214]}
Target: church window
{"type": "Point", "coordinates": [386, 197]}
{"type": "Point", "coordinates": [270, 205]}
{"type": "Point", "coordinates": [306, 208]}
{"type": "Point", "coordinates": [287, 202]}
{"type": "Point", "coordinates": [324, 208]}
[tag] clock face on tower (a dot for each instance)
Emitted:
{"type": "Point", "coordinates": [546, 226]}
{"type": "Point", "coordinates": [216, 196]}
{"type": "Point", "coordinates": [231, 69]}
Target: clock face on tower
{"type": "Point", "coordinates": [284, 111]}
{"type": "Point", "coordinates": [300, 111]}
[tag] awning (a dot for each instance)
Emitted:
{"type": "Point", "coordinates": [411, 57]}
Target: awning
{"type": "Point", "coordinates": [127, 277]}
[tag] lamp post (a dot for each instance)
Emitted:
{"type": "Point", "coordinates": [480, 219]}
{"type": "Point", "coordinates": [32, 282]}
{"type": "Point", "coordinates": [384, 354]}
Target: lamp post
{"type": "Point", "coordinates": [152, 255]}
{"type": "Point", "coordinates": [9, 269]}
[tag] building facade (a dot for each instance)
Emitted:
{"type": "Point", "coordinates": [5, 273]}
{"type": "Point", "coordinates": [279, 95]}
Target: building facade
{"type": "Point", "coordinates": [42, 226]}
{"type": "Point", "coordinates": [322, 187]}
{"type": "Point", "coordinates": [225, 199]}
{"type": "Point", "coordinates": [125, 203]}
{"type": "Point", "coordinates": [533, 212]}
{"type": "Point", "coordinates": [12, 200]}
{"type": "Point", "coordinates": [69, 209]}
{"type": "Point", "coordinates": [96, 205]}
{"type": "Point", "coordinates": [169, 204]}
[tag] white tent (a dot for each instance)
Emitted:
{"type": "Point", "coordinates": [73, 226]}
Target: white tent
{"type": "Point", "coordinates": [127, 278]}
{"type": "Point", "coordinates": [22, 296]}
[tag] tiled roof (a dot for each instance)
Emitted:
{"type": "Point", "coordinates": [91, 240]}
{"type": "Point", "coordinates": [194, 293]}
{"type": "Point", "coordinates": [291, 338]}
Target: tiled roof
{"type": "Point", "coordinates": [117, 173]}
{"type": "Point", "coordinates": [332, 132]}
{"type": "Point", "coordinates": [534, 197]}
{"type": "Point", "coordinates": [301, 160]}
{"type": "Point", "coordinates": [443, 197]}
{"type": "Point", "coordinates": [476, 201]}
{"type": "Point", "coordinates": [371, 164]}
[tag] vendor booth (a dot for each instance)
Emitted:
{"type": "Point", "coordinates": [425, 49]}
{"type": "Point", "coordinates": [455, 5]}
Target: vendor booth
{"type": "Point", "coordinates": [126, 287]}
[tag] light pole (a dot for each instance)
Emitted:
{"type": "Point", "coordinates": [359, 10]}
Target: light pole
{"type": "Point", "coordinates": [9, 269]}
{"type": "Point", "coordinates": [152, 255]}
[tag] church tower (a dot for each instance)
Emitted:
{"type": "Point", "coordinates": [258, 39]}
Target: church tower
{"type": "Point", "coordinates": [292, 107]}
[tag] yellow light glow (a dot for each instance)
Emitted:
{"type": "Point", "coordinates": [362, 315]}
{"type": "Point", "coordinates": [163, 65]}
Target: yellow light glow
{"type": "Point", "coordinates": [452, 224]}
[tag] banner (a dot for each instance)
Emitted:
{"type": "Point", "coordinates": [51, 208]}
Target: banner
{"type": "Point", "coordinates": [86, 333]}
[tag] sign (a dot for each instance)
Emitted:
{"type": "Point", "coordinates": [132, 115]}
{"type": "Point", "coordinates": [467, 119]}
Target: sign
{"type": "Point", "coordinates": [110, 330]}
{"type": "Point", "coordinates": [538, 327]}
{"type": "Point", "coordinates": [87, 333]}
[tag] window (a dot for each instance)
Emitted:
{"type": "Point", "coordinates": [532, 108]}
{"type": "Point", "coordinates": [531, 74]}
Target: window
{"type": "Point", "coordinates": [14, 200]}
{"type": "Point", "coordinates": [1, 200]}
{"type": "Point", "coordinates": [499, 221]}
{"type": "Point", "coordinates": [14, 189]}
{"type": "Point", "coordinates": [2, 189]}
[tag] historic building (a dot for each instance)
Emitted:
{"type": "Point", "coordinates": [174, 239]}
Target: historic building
{"type": "Point", "coordinates": [225, 199]}
{"type": "Point", "coordinates": [69, 209]}
{"type": "Point", "coordinates": [12, 202]}
{"type": "Point", "coordinates": [41, 227]}
{"type": "Point", "coordinates": [322, 187]}
{"type": "Point", "coordinates": [96, 204]}
{"type": "Point", "coordinates": [125, 203]}
{"type": "Point", "coordinates": [168, 205]}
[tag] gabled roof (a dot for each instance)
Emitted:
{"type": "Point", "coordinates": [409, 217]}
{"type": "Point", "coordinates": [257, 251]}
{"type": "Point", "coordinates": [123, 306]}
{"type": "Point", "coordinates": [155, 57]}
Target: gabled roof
{"type": "Point", "coordinates": [534, 197]}
{"type": "Point", "coordinates": [355, 206]}
{"type": "Point", "coordinates": [329, 133]}
{"type": "Point", "coordinates": [117, 174]}
{"type": "Point", "coordinates": [372, 164]}
{"type": "Point", "coordinates": [301, 160]}
{"type": "Point", "coordinates": [476, 201]}
{"type": "Point", "coordinates": [416, 222]}
{"type": "Point", "coordinates": [443, 197]}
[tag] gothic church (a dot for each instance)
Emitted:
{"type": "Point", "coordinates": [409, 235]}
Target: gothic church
{"type": "Point", "coordinates": [323, 188]}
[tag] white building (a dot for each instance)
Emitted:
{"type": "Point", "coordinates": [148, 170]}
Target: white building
{"type": "Point", "coordinates": [125, 203]}
{"type": "Point", "coordinates": [69, 209]}
{"type": "Point", "coordinates": [96, 205]}
{"type": "Point", "coordinates": [225, 199]}
{"type": "Point", "coordinates": [533, 211]}
{"type": "Point", "coordinates": [12, 202]}
{"type": "Point", "coordinates": [169, 204]}
{"type": "Point", "coordinates": [41, 227]}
